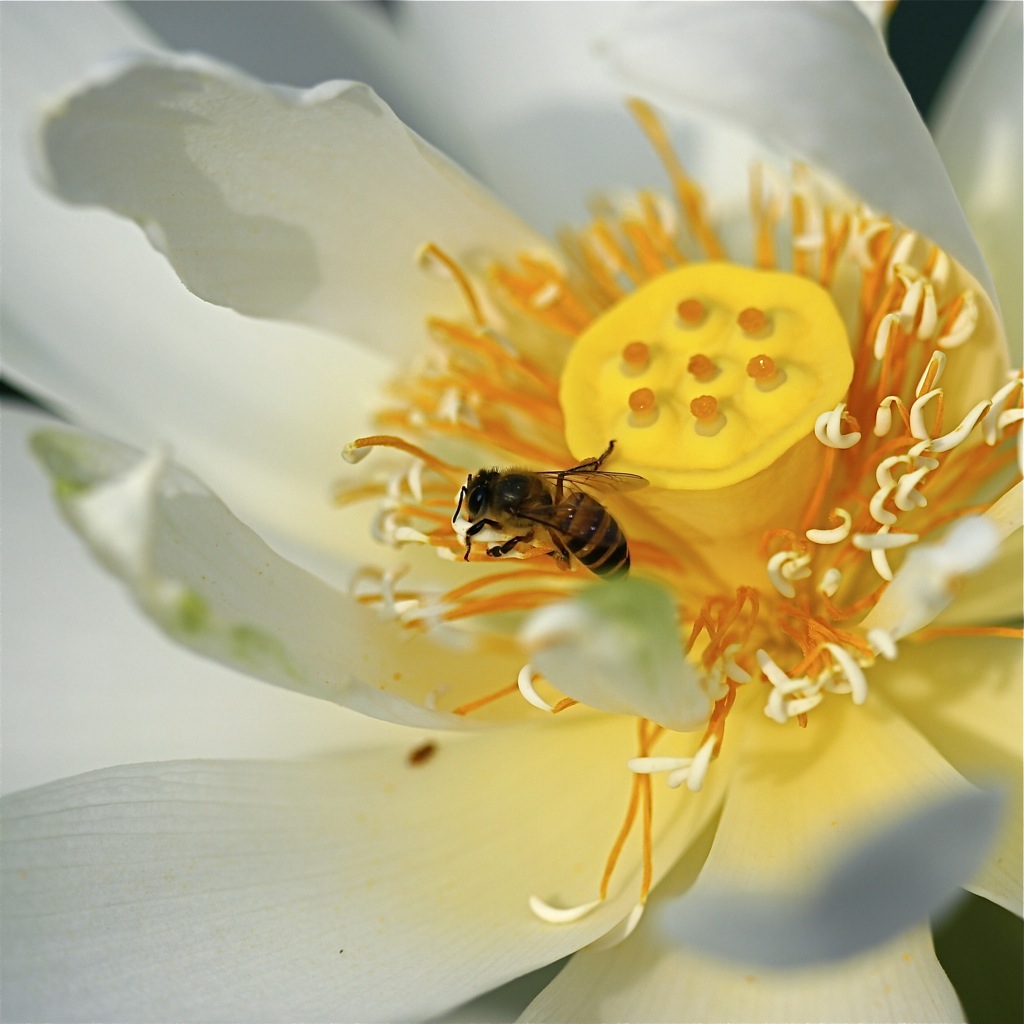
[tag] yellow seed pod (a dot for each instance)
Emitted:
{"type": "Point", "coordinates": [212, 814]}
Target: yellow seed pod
{"type": "Point", "coordinates": [769, 348]}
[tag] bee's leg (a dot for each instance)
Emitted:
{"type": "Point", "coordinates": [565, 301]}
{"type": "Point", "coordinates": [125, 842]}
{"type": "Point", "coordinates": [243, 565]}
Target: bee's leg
{"type": "Point", "coordinates": [560, 553]}
{"type": "Point", "coordinates": [462, 495]}
{"type": "Point", "coordinates": [503, 549]}
{"type": "Point", "coordinates": [587, 466]}
{"type": "Point", "coordinates": [474, 530]}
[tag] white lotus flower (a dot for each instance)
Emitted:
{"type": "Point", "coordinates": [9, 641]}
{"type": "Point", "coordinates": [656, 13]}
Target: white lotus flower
{"type": "Point", "coordinates": [812, 648]}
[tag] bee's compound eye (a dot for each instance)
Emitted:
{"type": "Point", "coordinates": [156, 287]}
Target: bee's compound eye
{"type": "Point", "coordinates": [477, 501]}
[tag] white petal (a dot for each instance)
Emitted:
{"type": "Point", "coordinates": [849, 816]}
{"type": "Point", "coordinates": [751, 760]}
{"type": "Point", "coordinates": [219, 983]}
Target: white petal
{"type": "Point", "coordinates": [88, 683]}
{"type": "Point", "coordinates": [815, 80]}
{"type": "Point", "coordinates": [215, 586]}
{"type": "Point", "coordinates": [226, 891]}
{"type": "Point", "coordinates": [303, 206]}
{"type": "Point", "coordinates": [964, 694]}
{"type": "Point", "coordinates": [926, 584]}
{"type": "Point", "coordinates": [993, 594]}
{"type": "Point", "coordinates": [648, 979]}
{"type": "Point", "coordinates": [978, 127]}
{"type": "Point", "coordinates": [615, 647]}
{"type": "Point", "coordinates": [910, 869]}
{"type": "Point", "coordinates": [96, 323]}
{"type": "Point", "coordinates": [799, 872]}
{"type": "Point", "coordinates": [540, 117]}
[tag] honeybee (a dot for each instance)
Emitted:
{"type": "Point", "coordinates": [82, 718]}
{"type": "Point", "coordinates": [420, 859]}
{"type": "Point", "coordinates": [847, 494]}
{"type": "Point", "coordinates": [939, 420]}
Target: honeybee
{"type": "Point", "coordinates": [512, 503]}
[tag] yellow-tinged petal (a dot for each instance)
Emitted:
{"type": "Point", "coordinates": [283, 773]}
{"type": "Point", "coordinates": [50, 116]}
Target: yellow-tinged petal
{"type": "Point", "coordinates": [216, 587]}
{"type": "Point", "coordinates": [964, 694]}
{"type": "Point", "coordinates": [210, 888]}
{"type": "Point", "coordinates": [647, 979]}
{"type": "Point", "coordinates": [814, 857]}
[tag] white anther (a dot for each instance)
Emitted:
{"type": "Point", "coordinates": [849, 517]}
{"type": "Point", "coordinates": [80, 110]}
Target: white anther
{"type": "Point", "coordinates": [837, 534]}
{"type": "Point", "coordinates": [883, 334]}
{"type": "Point", "coordinates": [1009, 417]}
{"type": "Point", "coordinates": [801, 705]}
{"type": "Point", "coordinates": [900, 254]}
{"type": "Point", "coordinates": [963, 325]}
{"type": "Point", "coordinates": [883, 540]}
{"type": "Point", "coordinates": [883, 474]}
{"type": "Point", "coordinates": [990, 425]}
{"type": "Point", "coordinates": [907, 496]}
{"type": "Point", "coordinates": [917, 425]}
{"type": "Point", "coordinates": [654, 765]}
{"type": "Point", "coordinates": [828, 429]}
{"type": "Point", "coordinates": [560, 915]}
{"type": "Point", "coordinates": [959, 434]}
{"type": "Point", "coordinates": [929, 313]}
{"type": "Point", "coordinates": [699, 769]}
{"type": "Point", "coordinates": [883, 643]}
{"type": "Point", "coordinates": [796, 568]}
{"type": "Point", "coordinates": [917, 457]}
{"type": "Point", "coordinates": [878, 544]}
{"type": "Point", "coordinates": [883, 418]}
{"type": "Point", "coordinates": [775, 707]}
{"type": "Point", "coordinates": [408, 535]}
{"type": "Point", "coordinates": [938, 361]}
{"type": "Point", "coordinates": [732, 670]}
{"type": "Point", "coordinates": [912, 299]}
{"type": "Point", "coordinates": [414, 479]}
{"type": "Point", "coordinates": [940, 271]}
{"type": "Point", "coordinates": [546, 295]}
{"type": "Point", "coordinates": [786, 566]}
{"type": "Point", "coordinates": [876, 506]}
{"type": "Point", "coordinates": [863, 230]}
{"type": "Point", "coordinates": [433, 696]}
{"type": "Point", "coordinates": [351, 454]}
{"type": "Point", "coordinates": [829, 582]}
{"type": "Point", "coordinates": [778, 678]}
{"type": "Point", "coordinates": [382, 586]}
{"type": "Point", "coordinates": [621, 931]}
{"type": "Point", "coordinates": [853, 672]}
{"type": "Point", "coordinates": [525, 681]}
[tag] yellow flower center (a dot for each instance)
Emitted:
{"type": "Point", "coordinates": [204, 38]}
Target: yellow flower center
{"type": "Point", "coordinates": [705, 375]}
{"type": "Point", "coordinates": [801, 431]}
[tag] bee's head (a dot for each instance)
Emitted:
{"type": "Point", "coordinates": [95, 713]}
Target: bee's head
{"type": "Point", "coordinates": [479, 493]}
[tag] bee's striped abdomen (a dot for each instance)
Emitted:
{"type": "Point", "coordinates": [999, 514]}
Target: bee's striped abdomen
{"type": "Point", "coordinates": [591, 534]}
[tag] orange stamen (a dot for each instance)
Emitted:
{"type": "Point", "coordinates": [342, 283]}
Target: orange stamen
{"type": "Point", "coordinates": [446, 470]}
{"type": "Point", "coordinates": [474, 705]}
{"type": "Point", "coordinates": [690, 197]}
{"type": "Point", "coordinates": [460, 277]}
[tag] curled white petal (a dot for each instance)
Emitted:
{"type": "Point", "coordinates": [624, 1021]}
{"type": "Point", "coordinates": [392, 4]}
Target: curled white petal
{"type": "Point", "coordinates": [959, 434]}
